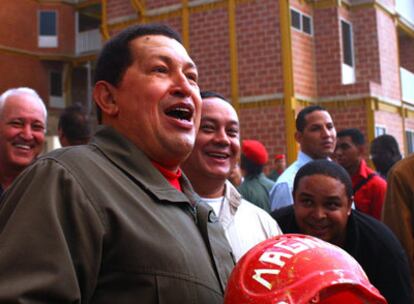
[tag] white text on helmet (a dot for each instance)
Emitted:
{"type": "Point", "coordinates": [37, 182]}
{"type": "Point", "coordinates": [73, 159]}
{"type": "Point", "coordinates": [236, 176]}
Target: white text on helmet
{"type": "Point", "coordinates": [285, 249]}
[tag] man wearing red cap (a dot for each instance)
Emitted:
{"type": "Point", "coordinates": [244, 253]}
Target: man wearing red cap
{"type": "Point", "coordinates": [279, 167]}
{"type": "Point", "coordinates": [256, 186]}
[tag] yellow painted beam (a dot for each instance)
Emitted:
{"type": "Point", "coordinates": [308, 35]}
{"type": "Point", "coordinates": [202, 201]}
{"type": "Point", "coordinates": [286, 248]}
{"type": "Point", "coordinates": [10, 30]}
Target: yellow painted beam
{"type": "Point", "coordinates": [185, 24]}
{"type": "Point", "coordinates": [234, 72]}
{"type": "Point", "coordinates": [104, 21]}
{"type": "Point", "coordinates": [288, 89]}
{"type": "Point", "coordinates": [370, 106]}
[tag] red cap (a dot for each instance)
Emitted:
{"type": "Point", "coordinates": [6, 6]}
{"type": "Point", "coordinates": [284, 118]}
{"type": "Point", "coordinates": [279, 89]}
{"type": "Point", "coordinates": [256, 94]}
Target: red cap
{"type": "Point", "coordinates": [279, 156]}
{"type": "Point", "coordinates": [255, 151]}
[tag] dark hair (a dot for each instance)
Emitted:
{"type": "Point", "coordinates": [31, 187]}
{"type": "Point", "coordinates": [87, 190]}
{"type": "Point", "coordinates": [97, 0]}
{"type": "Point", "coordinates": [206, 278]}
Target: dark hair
{"type": "Point", "coordinates": [328, 168]}
{"type": "Point", "coordinates": [301, 118]}
{"type": "Point", "coordinates": [387, 142]}
{"type": "Point", "coordinates": [75, 124]}
{"type": "Point", "coordinates": [210, 94]}
{"type": "Point", "coordinates": [385, 152]}
{"type": "Point", "coordinates": [355, 134]}
{"type": "Point", "coordinates": [251, 168]}
{"type": "Point", "coordinates": [115, 56]}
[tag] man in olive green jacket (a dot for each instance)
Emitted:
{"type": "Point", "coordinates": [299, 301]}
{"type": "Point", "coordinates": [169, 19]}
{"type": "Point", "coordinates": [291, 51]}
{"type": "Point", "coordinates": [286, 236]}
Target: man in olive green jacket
{"type": "Point", "coordinates": [115, 221]}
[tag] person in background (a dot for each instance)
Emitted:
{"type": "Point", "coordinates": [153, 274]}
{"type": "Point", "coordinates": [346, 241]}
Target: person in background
{"type": "Point", "coordinates": [236, 176]}
{"type": "Point", "coordinates": [385, 152]}
{"type": "Point", "coordinates": [279, 167]}
{"type": "Point", "coordinates": [316, 135]}
{"type": "Point", "coordinates": [22, 132]}
{"type": "Point", "coordinates": [255, 186]}
{"type": "Point", "coordinates": [323, 197]}
{"type": "Point", "coordinates": [369, 188]}
{"type": "Point", "coordinates": [116, 221]}
{"type": "Point", "coordinates": [215, 155]}
{"type": "Point", "coordinates": [74, 127]}
{"type": "Point", "coordinates": [398, 211]}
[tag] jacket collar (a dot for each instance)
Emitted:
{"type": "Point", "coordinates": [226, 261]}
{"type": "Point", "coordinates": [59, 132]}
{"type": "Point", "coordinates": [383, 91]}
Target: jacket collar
{"type": "Point", "coordinates": [128, 158]}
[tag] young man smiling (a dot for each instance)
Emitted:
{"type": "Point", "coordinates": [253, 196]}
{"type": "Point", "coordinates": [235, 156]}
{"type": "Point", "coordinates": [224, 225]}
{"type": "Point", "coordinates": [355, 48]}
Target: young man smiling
{"type": "Point", "coordinates": [215, 155]}
{"type": "Point", "coordinates": [323, 197]}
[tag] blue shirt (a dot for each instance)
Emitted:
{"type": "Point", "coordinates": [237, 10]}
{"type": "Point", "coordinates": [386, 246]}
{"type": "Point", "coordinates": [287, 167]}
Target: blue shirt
{"type": "Point", "coordinates": [281, 193]}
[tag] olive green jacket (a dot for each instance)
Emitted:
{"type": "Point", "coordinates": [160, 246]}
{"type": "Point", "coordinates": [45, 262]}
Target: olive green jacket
{"type": "Point", "coordinates": [99, 224]}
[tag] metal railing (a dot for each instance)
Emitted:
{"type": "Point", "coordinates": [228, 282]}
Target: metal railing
{"type": "Point", "coordinates": [88, 41]}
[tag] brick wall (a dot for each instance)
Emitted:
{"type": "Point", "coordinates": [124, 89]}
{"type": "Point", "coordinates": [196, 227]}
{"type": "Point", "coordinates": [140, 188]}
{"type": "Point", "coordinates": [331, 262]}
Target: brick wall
{"type": "Point", "coordinates": [151, 4]}
{"type": "Point", "coordinates": [303, 54]}
{"type": "Point", "coordinates": [367, 60]}
{"type": "Point", "coordinates": [406, 48]}
{"type": "Point", "coordinates": [119, 8]}
{"type": "Point", "coordinates": [259, 48]}
{"type": "Point", "coordinates": [353, 116]}
{"type": "Point", "coordinates": [209, 48]}
{"type": "Point", "coordinates": [19, 27]}
{"type": "Point", "coordinates": [267, 125]}
{"type": "Point", "coordinates": [328, 54]}
{"type": "Point", "coordinates": [388, 47]}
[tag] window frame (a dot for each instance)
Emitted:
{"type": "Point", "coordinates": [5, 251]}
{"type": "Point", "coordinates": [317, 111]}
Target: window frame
{"type": "Point", "coordinates": [47, 41]}
{"type": "Point", "coordinates": [301, 18]}
{"type": "Point", "coordinates": [347, 71]}
{"type": "Point", "coordinates": [409, 141]}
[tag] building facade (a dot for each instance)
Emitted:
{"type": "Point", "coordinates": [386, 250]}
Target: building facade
{"type": "Point", "coordinates": [270, 57]}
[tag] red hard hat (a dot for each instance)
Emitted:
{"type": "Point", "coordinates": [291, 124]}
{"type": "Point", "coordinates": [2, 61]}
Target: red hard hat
{"type": "Point", "coordinates": [299, 269]}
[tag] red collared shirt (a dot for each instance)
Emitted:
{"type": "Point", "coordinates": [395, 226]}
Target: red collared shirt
{"type": "Point", "coordinates": [172, 177]}
{"type": "Point", "coordinates": [370, 197]}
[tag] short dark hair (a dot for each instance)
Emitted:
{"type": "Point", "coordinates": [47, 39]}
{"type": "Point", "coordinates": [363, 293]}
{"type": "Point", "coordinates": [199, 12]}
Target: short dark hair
{"type": "Point", "coordinates": [355, 134]}
{"type": "Point", "coordinates": [387, 142]}
{"type": "Point", "coordinates": [328, 168]}
{"type": "Point", "coordinates": [211, 94]}
{"type": "Point", "coordinates": [115, 56]}
{"type": "Point", "coordinates": [251, 168]}
{"type": "Point", "coordinates": [75, 124]}
{"type": "Point", "coordinates": [301, 118]}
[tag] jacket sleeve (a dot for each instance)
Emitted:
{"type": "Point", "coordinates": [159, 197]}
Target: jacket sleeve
{"type": "Point", "coordinates": [397, 211]}
{"type": "Point", "coordinates": [50, 238]}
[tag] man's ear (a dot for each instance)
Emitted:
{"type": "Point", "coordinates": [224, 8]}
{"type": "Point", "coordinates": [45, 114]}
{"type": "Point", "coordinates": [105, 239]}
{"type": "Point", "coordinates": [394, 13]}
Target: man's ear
{"type": "Point", "coordinates": [104, 95]}
{"type": "Point", "coordinates": [298, 136]}
{"type": "Point", "coordinates": [361, 150]}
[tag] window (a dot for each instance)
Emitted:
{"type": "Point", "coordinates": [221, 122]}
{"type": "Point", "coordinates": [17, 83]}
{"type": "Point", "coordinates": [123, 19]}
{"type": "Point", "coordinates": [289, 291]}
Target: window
{"type": "Point", "coordinates": [56, 90]}
{"type": "Point", "coordinates": [410, 141]}
{"type": "Point", "coordinates": [301, 22]}
{"type": "Point", "coordinates": [295, 15]}
{"type": "Point", "coordinates": [307, 24]}
{"type": "Point", "coordinates": [47, 29]}
{"type": "Point", "coordinates": [348, 66]}
{"type": "Point", "coordinates": [379, 130]}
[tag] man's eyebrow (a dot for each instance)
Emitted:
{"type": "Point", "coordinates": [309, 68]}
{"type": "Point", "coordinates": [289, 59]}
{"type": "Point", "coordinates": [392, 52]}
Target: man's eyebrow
{"type": "Point", "coordinates": [168, 60]}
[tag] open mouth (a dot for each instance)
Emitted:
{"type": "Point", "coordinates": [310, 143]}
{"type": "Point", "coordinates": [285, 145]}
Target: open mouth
{"type": "Point", "coordinates": [218, 155]}
{"type": "Point", "coordinates": [180, 112]}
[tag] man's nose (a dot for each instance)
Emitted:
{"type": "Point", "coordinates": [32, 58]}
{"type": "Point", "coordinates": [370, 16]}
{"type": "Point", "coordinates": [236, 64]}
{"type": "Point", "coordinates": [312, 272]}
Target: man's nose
{"type": "Point", "coordinates": [181, 85]}
{"type": "Point", "coordinates": [222, 137]}
{"type": "Point", "coordinates": [319, 213]}
{"type": "Point", "coordinates": [27, 132]}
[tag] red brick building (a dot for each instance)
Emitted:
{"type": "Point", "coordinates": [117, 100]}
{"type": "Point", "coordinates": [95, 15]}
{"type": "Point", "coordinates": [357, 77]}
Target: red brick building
{"type": "Point", "coordinates": [270, 57]}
